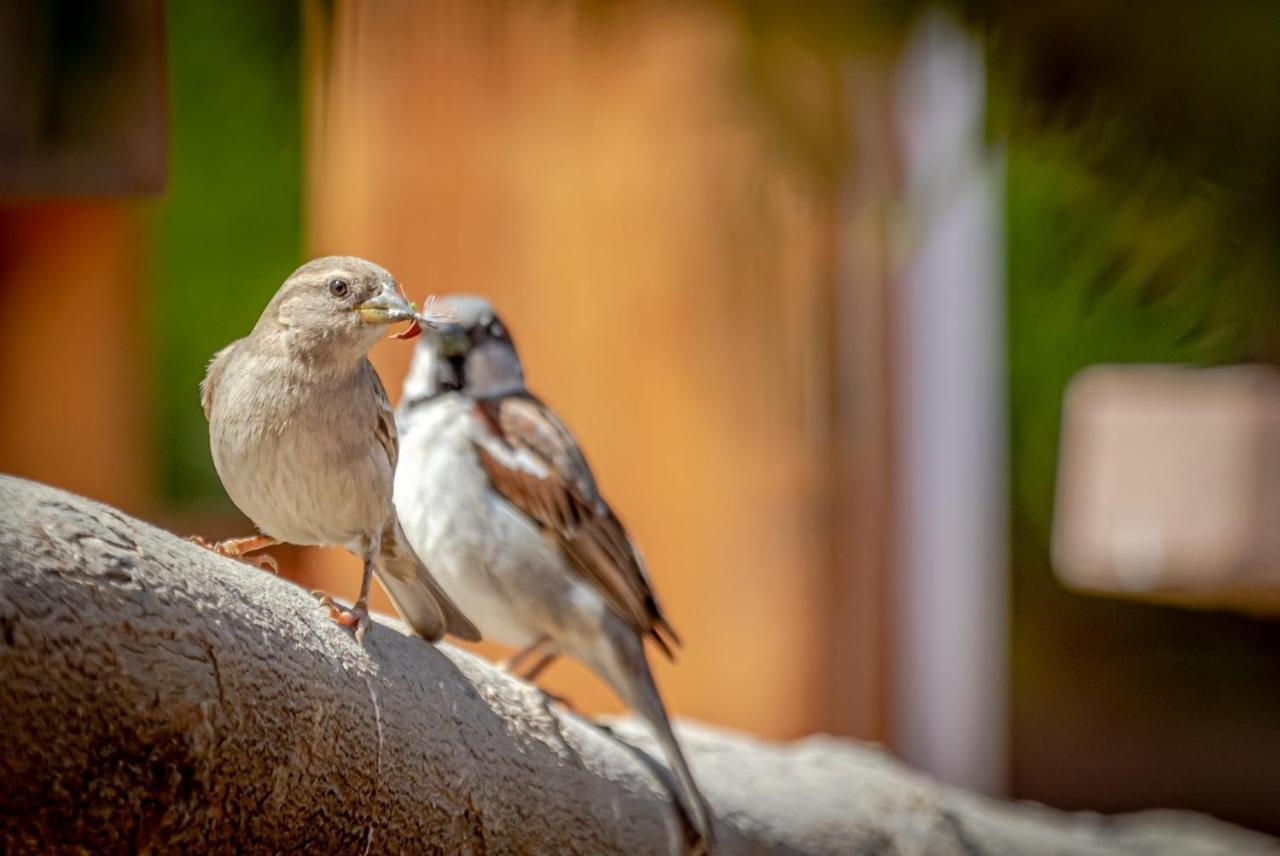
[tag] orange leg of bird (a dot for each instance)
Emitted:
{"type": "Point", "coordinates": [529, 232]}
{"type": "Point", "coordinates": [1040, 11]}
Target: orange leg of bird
{"type": "Point", "coordinates": [513, 666]}
{"type": "Point", "coordinates": [356, 619]}
{"type": "Point", "coordinates": [236, 548]}
{"type": "Point", "coordinates": [531, 674]}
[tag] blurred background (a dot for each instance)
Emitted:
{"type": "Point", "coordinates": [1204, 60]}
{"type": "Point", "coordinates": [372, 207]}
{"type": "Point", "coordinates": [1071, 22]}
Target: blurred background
{"type": "Point", "coordinates": [924, 347]}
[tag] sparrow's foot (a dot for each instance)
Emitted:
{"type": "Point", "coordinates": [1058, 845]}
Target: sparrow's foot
{"type": "Point", "coordinates": [552, 698]}
{"type": "Point", "coordinates": [236, 548]}
{"type": "Point", "coordinates": [512, 664]}
{"type": "Point", "coordinates": [264, 561]}
{"type": "Point", "coordinates": [356, 618]}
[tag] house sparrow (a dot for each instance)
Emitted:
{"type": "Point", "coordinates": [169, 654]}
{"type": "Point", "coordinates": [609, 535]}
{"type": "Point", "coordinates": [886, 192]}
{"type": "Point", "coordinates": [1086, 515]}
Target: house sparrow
{"type": "Point", "coordinates": [497, 497]}
{"type": "Point", "coordinates": [304, 441]}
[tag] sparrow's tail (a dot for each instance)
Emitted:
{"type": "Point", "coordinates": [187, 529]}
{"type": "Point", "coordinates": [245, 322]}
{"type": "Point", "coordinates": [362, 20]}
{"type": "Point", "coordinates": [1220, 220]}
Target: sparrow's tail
{"type": "Point", "coordinates": [631, 679]}
{"type": "Point", "coordinates": [415, 593]}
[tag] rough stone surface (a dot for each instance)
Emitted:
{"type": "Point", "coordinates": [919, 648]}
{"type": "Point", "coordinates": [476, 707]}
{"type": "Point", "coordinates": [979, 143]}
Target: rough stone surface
{"type": "Point", "coordinates": [156, 697]}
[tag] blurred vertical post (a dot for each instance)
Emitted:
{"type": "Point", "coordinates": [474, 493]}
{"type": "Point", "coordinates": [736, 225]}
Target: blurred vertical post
{"type": "Point", "coordinates": [69, 324]}
{"type": "Point", "coordinates": [82, 138]}
{"type": "Point", "coordinates": [857, 451]}
{"type": "Point", "coordinates": [951, 672]}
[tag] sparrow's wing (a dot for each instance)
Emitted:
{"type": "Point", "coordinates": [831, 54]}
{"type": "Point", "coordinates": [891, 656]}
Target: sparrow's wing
{"type": "Point", "coordinates": [209, 385]}
{"type": "Point", "coordinates": [409, 583]}
{"type": "Point", "coordinates": [384, 425]}
{"type": "Point", "coordinates": [534, 463]}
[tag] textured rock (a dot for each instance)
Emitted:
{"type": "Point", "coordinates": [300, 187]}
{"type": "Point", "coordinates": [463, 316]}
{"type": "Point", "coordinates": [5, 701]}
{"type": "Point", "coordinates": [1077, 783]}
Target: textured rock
{"type": "Point", "coordinates": [156, 696]}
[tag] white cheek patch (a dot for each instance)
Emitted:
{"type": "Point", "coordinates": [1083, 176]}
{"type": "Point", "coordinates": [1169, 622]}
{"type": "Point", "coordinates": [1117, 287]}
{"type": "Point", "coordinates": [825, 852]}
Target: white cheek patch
{"type": "Point", "coordinates": [514, 458]}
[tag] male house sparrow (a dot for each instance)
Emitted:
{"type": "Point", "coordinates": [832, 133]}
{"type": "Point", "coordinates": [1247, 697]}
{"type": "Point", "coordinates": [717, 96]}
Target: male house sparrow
{"type": "Point", "coordinates": [304, 441]}
{"type": "Point", "coordinates": [497, 497]}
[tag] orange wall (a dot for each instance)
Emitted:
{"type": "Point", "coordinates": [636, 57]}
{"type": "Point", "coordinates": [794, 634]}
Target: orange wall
{"type": "Point", "coordinates": [666, 273]}
{"type": "Point", "coordinates": [70, 381]}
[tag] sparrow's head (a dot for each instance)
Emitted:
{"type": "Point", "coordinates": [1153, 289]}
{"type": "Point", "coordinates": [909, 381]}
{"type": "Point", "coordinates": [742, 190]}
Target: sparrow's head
{"type": "Point", "coordinates": [470, 352]}
{"type": "Point", "coordinates": [338, 303]}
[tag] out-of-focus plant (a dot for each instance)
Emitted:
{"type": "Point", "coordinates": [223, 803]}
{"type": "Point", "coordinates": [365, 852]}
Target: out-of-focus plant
{"type": "Point", "coordinates": [229, 227]}
{"type": "Point", "coordinates": [1148, 268]}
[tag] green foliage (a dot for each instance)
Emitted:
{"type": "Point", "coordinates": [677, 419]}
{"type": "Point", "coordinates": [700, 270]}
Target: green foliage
{"type": "Point", "coordinates": [1139, 267]}
{"type": "Point", "coordinates": [229, 227]}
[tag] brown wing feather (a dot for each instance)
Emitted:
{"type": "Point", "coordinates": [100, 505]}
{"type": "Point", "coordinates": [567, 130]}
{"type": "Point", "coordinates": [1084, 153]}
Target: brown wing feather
{"type": "Point", "coordinates": [556, 489]}
{"type": "Point", "coordinates": [384, 424]}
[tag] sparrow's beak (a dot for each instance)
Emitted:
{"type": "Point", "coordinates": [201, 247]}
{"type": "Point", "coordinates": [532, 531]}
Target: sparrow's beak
{"type": "Point", "coordinates": [387, 307]}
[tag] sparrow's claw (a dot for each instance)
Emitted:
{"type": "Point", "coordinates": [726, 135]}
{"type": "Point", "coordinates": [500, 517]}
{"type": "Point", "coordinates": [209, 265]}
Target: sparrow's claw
{"type": "Point", "coordinates": [550, 697]}
{"type": "Point", "coordinates": [237, 548]}
{"type": "Point", "coordinates": [356, 618]}
{"type": "Point", "coordinates": [265, 561]}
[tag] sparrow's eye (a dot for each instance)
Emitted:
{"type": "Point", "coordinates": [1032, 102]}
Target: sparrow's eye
{"type": "Point", "coordinates": [339, 287]}
{"type": "Point", "coordinates": [496, 330]}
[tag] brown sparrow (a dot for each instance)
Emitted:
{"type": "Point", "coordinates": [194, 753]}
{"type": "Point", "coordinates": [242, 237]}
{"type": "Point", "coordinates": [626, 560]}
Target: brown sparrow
{"type": "Point", "coordinates": [304, 441]}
